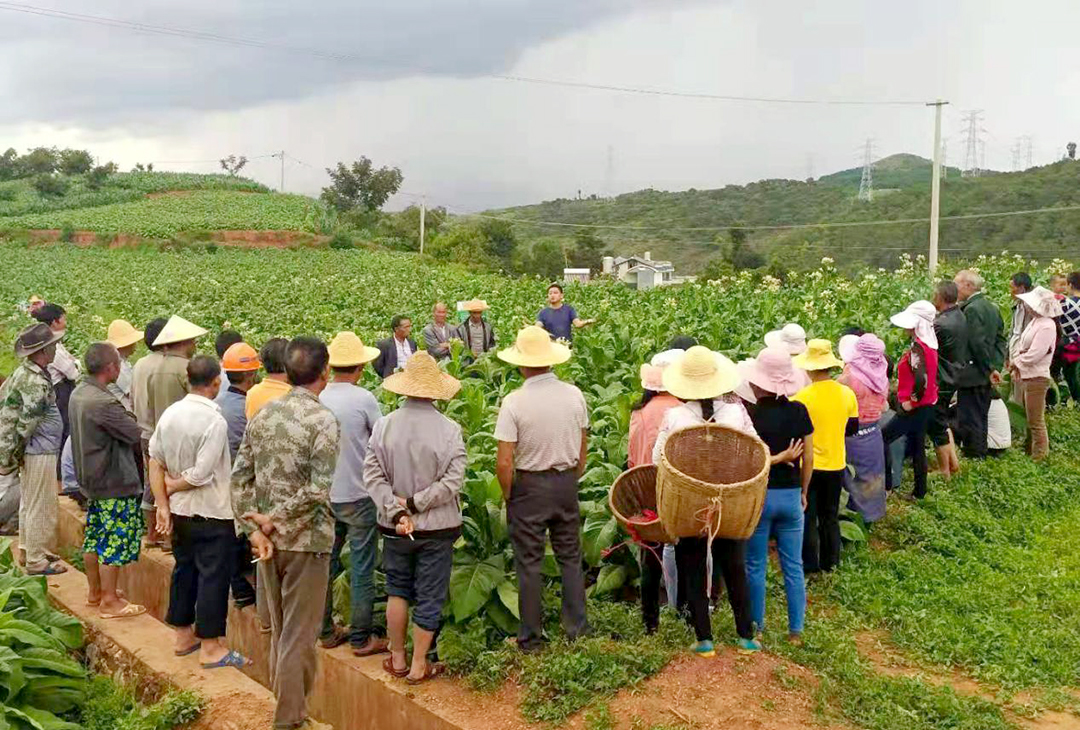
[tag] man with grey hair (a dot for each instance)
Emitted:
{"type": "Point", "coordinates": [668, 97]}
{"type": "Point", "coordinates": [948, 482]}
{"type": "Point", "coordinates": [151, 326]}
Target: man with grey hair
{"type": "Point", "coordinates": [987, 346]}
{"type": "Point", "coordinates": [103, 436]}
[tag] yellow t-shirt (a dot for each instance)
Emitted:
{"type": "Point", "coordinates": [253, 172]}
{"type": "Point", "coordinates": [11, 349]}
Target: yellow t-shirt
{"type": "Point", "coordinates": [830, 405]}
{"type": "Point", "coordinates": [261, 394]}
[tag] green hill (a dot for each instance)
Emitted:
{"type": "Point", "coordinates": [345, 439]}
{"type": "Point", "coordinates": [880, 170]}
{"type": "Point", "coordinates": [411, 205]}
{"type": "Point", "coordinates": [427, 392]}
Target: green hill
{"type": "Point", "coordinates": [833, 198]}
{"type": "Point", "coordinates": [157, 205]}
{"type": "Point", "coordinates": [896, 171]}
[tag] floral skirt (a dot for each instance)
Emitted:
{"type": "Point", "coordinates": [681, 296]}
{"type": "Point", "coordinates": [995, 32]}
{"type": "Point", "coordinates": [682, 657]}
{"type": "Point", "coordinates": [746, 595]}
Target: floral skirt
{"type": "Point", "coordinates": [114, 530]}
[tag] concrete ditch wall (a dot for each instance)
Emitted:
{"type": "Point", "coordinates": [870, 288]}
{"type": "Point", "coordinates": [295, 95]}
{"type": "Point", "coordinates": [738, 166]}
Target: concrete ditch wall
{"type": "Point", "coordinates": [351, 693]}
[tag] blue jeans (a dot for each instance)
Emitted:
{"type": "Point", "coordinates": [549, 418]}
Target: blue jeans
{"type": "Point", "coordinates": [782, 517]}
{"type": "Point", "coordinates": [354, 521]}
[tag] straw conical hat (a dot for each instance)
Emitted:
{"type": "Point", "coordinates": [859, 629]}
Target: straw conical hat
{"type": "Point", "coordinates": [422, 378]}
{"type": "Point", "coordinates": [535, 349]}
{"type": "Point", "coordinates": [699, 374]}
{"type": "Point", "coordinates": [178, 329]}
{"type": "Point", "coordinates": [347, 350]}
{"type": "Point", "coordinates": [122, 334]}
{"type": "Point", "coordinates": [475, 305]}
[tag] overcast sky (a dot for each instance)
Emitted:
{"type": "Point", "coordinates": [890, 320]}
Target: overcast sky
{"type": "Point", "coordinates": [417, 89]}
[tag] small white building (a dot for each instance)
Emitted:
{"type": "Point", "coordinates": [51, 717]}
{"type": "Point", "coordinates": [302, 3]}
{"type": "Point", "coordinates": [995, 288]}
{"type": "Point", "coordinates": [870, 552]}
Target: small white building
{"type": "Point", "coordinates": [640, 272]}
{"type": "Point", "coordinates": [581, 275]}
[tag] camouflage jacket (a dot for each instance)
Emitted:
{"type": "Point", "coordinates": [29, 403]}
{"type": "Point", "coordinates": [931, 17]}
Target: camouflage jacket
{"type": "Point", "coordinates": [25, 399]}
{"type": "Point", "coordinates": [284, 470]}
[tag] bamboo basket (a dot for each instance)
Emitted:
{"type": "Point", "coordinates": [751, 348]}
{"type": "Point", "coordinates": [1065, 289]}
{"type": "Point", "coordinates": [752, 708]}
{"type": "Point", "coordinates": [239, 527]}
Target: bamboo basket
{"type": "Point", "coordinates": [632, 492]}
{"type": "Point", "coordinates": [712, 478]}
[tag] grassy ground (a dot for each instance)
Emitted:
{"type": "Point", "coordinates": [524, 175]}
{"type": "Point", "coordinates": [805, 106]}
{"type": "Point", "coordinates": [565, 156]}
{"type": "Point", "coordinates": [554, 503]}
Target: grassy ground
{"type": "Point", "coordinates": [981, 580]}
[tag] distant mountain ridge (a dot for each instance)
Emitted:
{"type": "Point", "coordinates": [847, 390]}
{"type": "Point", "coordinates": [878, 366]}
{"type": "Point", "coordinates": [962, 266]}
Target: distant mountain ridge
{"type": "Point", "coordinates": [657, 221]}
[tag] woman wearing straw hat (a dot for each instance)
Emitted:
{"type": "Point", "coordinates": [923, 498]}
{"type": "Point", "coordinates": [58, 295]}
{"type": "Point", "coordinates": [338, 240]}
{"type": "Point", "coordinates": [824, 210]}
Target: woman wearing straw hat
{"type": "Point", "coordinates": [834, 412]}
{"type": "Point", "coordinates": [702, 378]}
{"type": "Point", "coordinates": [645, 422]}
{"type": "Point", "coordinates": [866, 373]}
{"type": "Point", "coordinates": [917, 389]}
{"type": "Point", "coordinates": [413, 470]}
{"type": "Point", "coordinates": [1031, 358]}
{"type": "Point", "coordinates": [542, 432]}
{"type": "Point", "coordinates": [785, 426]}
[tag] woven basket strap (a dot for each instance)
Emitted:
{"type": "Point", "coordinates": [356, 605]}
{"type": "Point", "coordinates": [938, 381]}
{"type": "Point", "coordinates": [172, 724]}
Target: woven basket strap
{"type": "Point", "coordinates": [715, 509]}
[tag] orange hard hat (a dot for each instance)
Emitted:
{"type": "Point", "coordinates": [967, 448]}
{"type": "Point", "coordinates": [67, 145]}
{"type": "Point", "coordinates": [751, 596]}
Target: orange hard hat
{"type": "Point", "coordinates": [240, 358]}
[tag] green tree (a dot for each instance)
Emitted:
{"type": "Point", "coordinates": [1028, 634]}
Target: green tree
{"type": "Point", "coordinates": [462, 244]}
{"type": "Point", "coordinates": [403, 227]}
{"type": "Point", "coordinates": [589, 251]}
{"type": "Point", "coordinates": [75, 162]}
{"type": "Point", "coordinates": [360, 186]}
{"type": "Point", "coordinates": [233, 164]}
{"type": "Point", "coordinates": [501, 242]}
{"type": "Point", "coordinates": [9, 164]}
{"type": "Point", "coordinates": [544, 259]}
{"type": "Point", "coordinates": [739, 253]}
{"type": "Point", "coordinates": [98, 176]}
{"type": "Point", "coordinates": [39, 161]}
{"type": "Point", "coordinates": [50, 185]}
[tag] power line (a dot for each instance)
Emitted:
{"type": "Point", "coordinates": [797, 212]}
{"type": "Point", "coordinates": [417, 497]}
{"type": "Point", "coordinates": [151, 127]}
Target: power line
{"type": "Point", "coordinates": [351, 58]}
{"type": "Point", "coordinates": [783, 227]}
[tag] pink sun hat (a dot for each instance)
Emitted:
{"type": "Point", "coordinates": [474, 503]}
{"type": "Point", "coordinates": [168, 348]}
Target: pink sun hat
{"type": "Point", "coordinates": [773, 371]}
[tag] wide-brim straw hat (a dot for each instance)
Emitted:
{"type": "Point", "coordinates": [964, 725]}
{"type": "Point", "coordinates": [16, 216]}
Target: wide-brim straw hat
{"type": "Point", "coordinates": [348, 350]}
{"type": "Point", "coordinates": [1042, 301]}
{"type": "Point", "coordinates": [792, 337]}
{"type": "Point", "coordinates": [36, 338]}
{"type": "Point", "coordinates": [700, 374]}
{"type": "Point", "coordinates": [178, 329]}
{"type": "Point", "coordinates": [475, 305]}
{"type": "Point", "coordinates": [818, 356]}
{"type": "Point", "coordinates": [422, 378]}
{"type": "Point", "coordinates": [121, 334]}
{"type": "Point", "coordinates": [534, 348]}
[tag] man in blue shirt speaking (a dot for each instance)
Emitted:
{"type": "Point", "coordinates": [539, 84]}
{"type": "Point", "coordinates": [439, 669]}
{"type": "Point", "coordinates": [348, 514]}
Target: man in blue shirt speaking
{"type": "Point", "coordinates": [557, 318]}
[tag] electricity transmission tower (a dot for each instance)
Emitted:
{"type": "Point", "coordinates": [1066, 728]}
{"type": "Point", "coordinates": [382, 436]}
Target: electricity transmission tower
{"type": "Point", "coordinates": [974, 147]}
{"type": "Point", "coordinates": [866, 185]}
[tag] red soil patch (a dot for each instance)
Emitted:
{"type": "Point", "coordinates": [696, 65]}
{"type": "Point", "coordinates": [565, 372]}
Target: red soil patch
{"type": "Point", "coordinates": [242, 239]}
{"type": "Point", "coordinates": [730, 691]}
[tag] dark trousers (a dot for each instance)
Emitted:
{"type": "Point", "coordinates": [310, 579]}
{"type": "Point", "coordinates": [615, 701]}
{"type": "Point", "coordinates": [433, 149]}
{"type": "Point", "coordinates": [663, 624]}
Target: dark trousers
{"type": "Point", "coordinates": [690, 557]}
{"type": "Point", "coordinates": [652, 579]}
{"type": "Point", "coordinates": [242, 589]}
{"type": "Point", "coordinates": [543, 504]}
{"type": "Point", "coordinates": [912, 424]}
{"type": "Point", "coordinates": [972, 411]}
{"type": "Point", "coordinates": [1071, 371]}
{"type": "Point", "coordinates": [821, 533]}
{"type": "Point", "coordinates": [204, 551]}
{"type": "Point", "coordinates": [938, 428]}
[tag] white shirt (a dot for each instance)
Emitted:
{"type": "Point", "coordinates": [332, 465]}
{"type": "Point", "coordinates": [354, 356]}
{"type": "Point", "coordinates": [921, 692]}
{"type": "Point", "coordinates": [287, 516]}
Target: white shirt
{"type": "Point", "coordinates": [192, 441]}
{"type": "Point", "coordinates": [64, 366]}
{"type": "Point", "coordinates": [732, 414]}
{"type": "Point", "coordinates": [122, 387]}
{"type": "Point", "coordinates": [403, 352]}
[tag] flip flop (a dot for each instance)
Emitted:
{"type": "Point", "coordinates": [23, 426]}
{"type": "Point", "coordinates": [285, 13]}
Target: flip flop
{"type": "Point", "coordinates": [132, 609]}
{"type": "Point", "coordinates": [431, 672]}
{"type": "Point", "coordinates": [50, 569]}
{"type": "Point", "coordinates": [388, 666]}
{"type": "Point", "coordinates": [232, 659]}
{"type": "Point", "coordinates": [190, 650]}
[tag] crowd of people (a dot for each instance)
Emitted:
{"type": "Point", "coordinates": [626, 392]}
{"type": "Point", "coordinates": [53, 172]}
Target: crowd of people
{"type": "Point", "coordinates": [197, 455]}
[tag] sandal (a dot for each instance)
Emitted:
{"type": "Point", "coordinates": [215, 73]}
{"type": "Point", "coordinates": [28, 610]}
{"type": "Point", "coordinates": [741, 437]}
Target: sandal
{"type": "Point", "coordinates": [190, 650]}
{"type": "Point", "coordinates": [132, 609]}
{"type": "Point", "coordinates": [388, 666]}
{"type": "Point", "coordinates": [50, 569]}
{"type": "Point", "coordinates": [432, 671]}
{"type": "Point", "coordinates": [94, 604]}
{"type": "Point", "coordinates": [232, 659]}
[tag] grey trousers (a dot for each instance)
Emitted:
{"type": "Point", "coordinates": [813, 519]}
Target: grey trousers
{"type": "Point", "coordinates": [39, 508]}
{"type": "Point", "coordinates": [9, 503]}
{"type": "Point", "coordinates": [543, 504]}
{"type": "Point", "coordinates": [294, 584]}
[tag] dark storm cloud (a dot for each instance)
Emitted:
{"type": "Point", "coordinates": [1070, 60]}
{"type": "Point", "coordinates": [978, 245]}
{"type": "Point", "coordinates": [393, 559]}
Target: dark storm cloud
{"type": "Point", "coordinates": [66, 72]}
